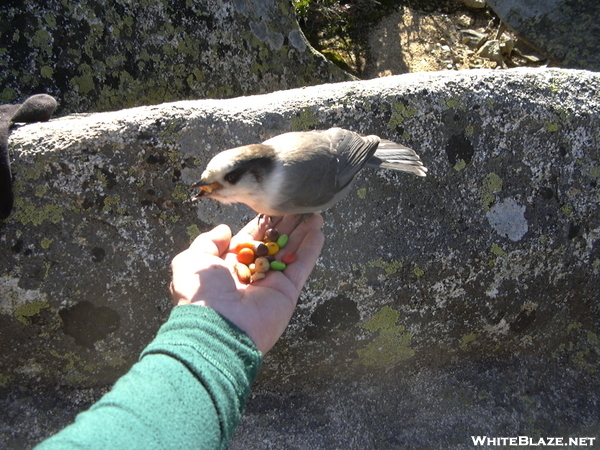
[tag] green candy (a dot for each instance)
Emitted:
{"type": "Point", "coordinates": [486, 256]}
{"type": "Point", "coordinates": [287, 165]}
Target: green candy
{"type": "Point", "coordinates": [282, 240]}
{"type": "Point", "coordinates": [277, 265]}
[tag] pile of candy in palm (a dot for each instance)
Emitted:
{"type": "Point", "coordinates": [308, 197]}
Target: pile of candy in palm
{"type": "Point", "coordinates": [255, 259]}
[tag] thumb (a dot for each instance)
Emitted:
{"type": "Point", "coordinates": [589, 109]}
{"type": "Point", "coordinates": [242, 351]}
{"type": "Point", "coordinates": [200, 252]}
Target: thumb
{"type": "Point", "coordinates": [214, 242]}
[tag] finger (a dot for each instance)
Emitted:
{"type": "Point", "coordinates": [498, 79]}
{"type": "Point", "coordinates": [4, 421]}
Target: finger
{"type": "Point", "coordinates": [290, 222]}
{"type": "Point", "coordinates": [297, 234]}
{"type": "Point", "coordinates": [214, 242]}
{"type": "Point", "coordinates": [307, 251]}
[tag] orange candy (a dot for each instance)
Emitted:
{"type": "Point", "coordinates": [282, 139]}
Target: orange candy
{"type": "Point", "coordinates": [246, 256]}
{"type": "Point", "coordinates": [242, 245]}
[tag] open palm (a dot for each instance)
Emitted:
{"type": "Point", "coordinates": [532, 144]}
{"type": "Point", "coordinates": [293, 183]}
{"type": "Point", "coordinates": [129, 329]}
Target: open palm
{"type": "Point", "coordinates": [203, 275]}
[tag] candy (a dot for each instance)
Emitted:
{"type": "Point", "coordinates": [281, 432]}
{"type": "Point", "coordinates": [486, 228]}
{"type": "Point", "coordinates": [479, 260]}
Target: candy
{"type": "Point", "coordinates": [261, 264]}
{"type": "Point", "coordinates": [243, 272]}
{"type": "Point", "coordinates": [242, 245]}
{"type": "Point", "coordinates": [257, 276]}
{"type": "Point", "coordinates": [256, 258]}
{"type": "Point", "coordinates": [271, 235]}
{"type": "Point", "coordinates": [278, 265]}
{"type": "Point", "coordinates": [289, 258]}
{"type": "Point", "coordinates": [282, 240]}
{"type": "Point", "coordinates": [258, 247]}
{"type": "Point", "coordinates": [272, 248]}
{"type": "Point", "coordinates": [246, 256]}
{"type": "Point", "coordinates": [261, 249]}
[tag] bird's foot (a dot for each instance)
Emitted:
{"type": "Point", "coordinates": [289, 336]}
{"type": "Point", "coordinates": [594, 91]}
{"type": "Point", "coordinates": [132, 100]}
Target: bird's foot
{"type": "Point", "coordinates": [302, 218]}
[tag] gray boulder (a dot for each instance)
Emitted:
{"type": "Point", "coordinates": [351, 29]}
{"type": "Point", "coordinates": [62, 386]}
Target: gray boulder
{"type": "Point", "coordinates": [106, 55]}
{"type": "Point", "coordinates": [462, 304]}
{"type": "Point", "coordinates": [566, 31]}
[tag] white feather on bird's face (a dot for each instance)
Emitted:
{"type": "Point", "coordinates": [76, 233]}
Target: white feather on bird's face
{"type": "Point", "coordinates": [236, 175]}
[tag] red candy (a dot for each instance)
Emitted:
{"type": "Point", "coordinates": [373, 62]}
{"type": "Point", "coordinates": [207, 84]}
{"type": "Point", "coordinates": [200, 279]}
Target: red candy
{"type": "Point", "coordinates": [289, 258]}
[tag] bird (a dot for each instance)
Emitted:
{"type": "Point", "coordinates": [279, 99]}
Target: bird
{"type": "Point", "coordinates": [299, 172]}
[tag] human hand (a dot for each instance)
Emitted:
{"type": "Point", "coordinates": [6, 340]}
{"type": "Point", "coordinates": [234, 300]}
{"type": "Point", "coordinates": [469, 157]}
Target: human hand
{"type": "Point", "coordinates": [204, 275]}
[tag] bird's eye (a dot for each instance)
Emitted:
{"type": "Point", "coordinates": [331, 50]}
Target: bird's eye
{"type": "Point", "coordinates": [233, 177]}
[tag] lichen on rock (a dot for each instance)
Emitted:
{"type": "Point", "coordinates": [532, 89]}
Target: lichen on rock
{"type": "Point", "coordinates": [99, 56]}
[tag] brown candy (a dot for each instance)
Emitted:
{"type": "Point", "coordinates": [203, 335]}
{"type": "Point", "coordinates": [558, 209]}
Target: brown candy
{"type": "Point", "coordinates": [271, 235]}
{"type": "Point", "coordinates": [261, 249]}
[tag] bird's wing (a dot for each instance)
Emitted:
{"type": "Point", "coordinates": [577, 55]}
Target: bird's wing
{"type": "Point", "coordinates": [323, 163]}
{"type": "Point", "coordinates": [310, 170]}
{"type": "Point", "coordinates": [390, 155]}
{"type": "Point", "coordinates": [353, 151]}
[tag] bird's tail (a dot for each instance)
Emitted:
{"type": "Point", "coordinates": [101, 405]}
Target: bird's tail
{"type": "Point", "coordinates": [390, 155]}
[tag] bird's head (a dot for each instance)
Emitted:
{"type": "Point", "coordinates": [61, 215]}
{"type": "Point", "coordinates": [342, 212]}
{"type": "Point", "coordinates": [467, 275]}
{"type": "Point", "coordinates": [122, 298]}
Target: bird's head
{"type": "Point", "coordinates": [236, 175]}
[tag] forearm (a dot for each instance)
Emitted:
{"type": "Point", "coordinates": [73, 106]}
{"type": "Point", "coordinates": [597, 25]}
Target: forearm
{"type": "Point", "coordinates": [187, 391]}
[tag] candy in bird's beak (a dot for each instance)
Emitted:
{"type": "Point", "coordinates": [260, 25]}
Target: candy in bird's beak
{"type": "Point", "coordinates": [201, 189]}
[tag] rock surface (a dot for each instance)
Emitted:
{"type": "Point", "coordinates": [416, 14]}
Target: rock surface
{"type": "Point", "coordinates": [458, 305]}
{"type": "Point", "coordinates": [97, 56]}
{"type": "Point", "coordinates": [567, 31]}
{"type": "Point", "coordinates": [412, 40]}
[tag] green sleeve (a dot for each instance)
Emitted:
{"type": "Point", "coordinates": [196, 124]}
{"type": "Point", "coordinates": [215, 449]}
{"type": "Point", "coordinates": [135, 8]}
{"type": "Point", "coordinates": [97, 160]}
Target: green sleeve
{"type": "Point", "coordinates": [187, 391]}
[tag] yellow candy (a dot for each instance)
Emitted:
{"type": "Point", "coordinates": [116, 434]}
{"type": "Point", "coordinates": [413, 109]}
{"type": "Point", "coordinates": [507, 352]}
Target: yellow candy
{"type": "Point", "coordinates": [272, 248]}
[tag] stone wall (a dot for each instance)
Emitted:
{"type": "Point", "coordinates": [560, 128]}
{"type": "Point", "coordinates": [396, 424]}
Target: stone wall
{"type": "Point", "coordinates": [106, 55]}
{"type": "Point", "coordinates": [465, 303]}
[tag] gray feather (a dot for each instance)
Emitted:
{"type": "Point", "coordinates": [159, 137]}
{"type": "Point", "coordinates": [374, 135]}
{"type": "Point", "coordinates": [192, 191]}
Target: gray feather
{"type": "Point", "coordinates": [352, 150]}
{"type": "Point", "coordinates": [390, 155]}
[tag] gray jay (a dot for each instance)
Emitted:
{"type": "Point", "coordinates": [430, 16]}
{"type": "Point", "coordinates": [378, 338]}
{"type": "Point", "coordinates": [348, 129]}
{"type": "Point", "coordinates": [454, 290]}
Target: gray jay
{"type": "Point", "coordinates": [299, 172]}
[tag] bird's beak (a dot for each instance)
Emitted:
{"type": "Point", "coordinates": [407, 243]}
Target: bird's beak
{"type": "Point", "coordinates": [202, 188]}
